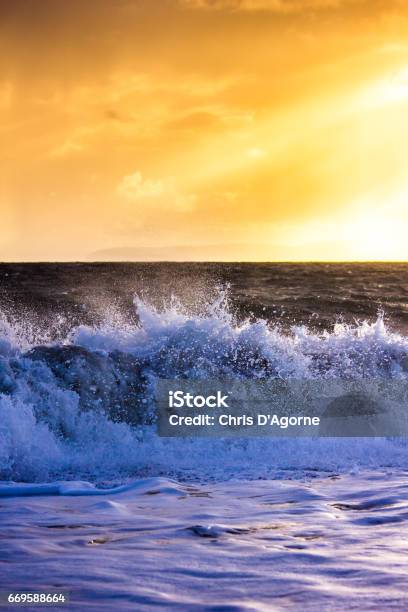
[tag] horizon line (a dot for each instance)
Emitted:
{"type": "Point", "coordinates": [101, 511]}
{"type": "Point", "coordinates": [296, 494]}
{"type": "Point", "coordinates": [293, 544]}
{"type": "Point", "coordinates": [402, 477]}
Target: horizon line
{"type": "Point", "coordinates": [212, 261]}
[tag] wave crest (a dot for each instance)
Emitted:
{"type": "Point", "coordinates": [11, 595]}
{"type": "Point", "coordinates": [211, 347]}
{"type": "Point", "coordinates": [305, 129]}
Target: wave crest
{"type": "Point", "coordinates": [84, 406]}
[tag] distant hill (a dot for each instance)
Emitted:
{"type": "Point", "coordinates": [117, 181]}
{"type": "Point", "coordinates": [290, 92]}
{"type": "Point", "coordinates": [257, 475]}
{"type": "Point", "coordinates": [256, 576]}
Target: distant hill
{"type": "Point", "coordinates": [217, 252]}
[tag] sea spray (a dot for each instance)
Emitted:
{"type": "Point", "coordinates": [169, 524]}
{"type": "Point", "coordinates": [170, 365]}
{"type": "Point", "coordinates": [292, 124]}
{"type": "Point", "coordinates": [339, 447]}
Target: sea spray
{"type": "Point", "coordinates": [83, 407]}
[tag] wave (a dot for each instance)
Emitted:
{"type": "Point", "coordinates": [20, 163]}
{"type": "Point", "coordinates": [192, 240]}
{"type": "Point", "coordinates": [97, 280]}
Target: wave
{"type": "Point", "coordinates": [83, 407]}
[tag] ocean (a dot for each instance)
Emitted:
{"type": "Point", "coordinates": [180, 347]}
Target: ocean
{"type": "Point", "coordinates": [93, 502]}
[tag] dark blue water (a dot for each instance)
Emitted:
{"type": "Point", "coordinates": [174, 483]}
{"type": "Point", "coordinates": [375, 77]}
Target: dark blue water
{"type": "Point", "coordinates": [318, 294]}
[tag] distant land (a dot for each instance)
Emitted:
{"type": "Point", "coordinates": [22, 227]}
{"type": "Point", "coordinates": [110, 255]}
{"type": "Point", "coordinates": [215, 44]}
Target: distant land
{"type": "Point", "coordinates": [218, 252]}
{"type": "Point", "coordinates": [212, 252]}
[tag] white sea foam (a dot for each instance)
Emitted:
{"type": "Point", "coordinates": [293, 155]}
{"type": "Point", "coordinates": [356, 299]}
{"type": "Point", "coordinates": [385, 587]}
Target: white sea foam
{"type": "Point", "coordinates": [327, 543]}
{"type": "Point", "coordinates": [55, 407]}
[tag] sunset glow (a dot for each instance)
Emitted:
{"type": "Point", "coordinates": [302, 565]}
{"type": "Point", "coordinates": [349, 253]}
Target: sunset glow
{"type": "Point", "coordinates": [198, 129]}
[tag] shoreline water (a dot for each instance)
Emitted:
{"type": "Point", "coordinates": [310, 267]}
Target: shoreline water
{"type": "Point", "coordinates": [93, 501]}
{"type": "Point", "coordinates": [249, 545]}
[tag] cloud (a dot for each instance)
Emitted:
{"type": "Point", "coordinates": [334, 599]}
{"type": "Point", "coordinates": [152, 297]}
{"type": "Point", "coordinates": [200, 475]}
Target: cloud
{"type": "Point", "coordinates": [162, 193]}
{"type": "Point", "coordinates": [134, 187]}
{"type": "Point", "coordinates": [196, 121]}
{"type": "Point", "coordinates": [275, 6]}
{"type": "Point", "coordinates": [203, 122]}
{"type": "Point", "coordinates": [67, 148]}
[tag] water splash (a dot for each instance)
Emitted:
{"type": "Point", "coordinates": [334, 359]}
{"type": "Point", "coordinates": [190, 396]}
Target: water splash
{"type": "Point", "coordinates": [81, 407]}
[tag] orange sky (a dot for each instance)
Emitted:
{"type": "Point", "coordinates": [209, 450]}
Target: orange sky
{"type": "Point", "coordinates": [204, 129]}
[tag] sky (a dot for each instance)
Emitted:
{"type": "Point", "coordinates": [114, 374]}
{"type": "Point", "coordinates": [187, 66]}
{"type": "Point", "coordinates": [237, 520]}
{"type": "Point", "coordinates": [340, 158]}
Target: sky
{"type": "Point", "coordinates": [258, 130]}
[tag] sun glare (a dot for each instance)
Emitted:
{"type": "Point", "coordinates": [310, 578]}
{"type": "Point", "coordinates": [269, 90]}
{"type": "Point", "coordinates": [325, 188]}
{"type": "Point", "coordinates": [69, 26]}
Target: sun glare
{"type": "Point", "coordinates": [376, 231]}
{"type": "Point", "coordinates": [389, 90]}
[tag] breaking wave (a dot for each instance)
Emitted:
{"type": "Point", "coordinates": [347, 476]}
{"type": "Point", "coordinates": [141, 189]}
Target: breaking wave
{"type": "Point", "coordinates": [84, 407]}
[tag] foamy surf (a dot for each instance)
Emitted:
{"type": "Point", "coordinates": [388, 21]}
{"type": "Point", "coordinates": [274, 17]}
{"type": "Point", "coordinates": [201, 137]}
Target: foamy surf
{"type": "Point", "coordinates": [327, 543]}
{"type": "Point", "coordinates": [83, 407]}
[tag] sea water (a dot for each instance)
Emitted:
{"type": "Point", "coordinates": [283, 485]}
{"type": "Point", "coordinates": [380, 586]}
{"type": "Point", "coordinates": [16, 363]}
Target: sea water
{"type": "Point", "coordinates": [93, 501]}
